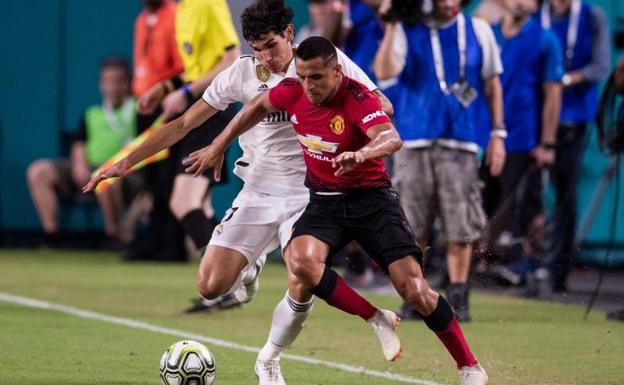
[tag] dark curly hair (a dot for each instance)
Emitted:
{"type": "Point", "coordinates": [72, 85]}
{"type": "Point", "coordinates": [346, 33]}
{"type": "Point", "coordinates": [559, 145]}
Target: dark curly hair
{"type": "Point", "coordinates": [264, 17]}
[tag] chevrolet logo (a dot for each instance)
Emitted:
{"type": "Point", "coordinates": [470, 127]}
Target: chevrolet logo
{"type": "Point", "coordinates": [316, 144]}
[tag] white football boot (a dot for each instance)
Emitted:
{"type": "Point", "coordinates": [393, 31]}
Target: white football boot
{"type": "Point", "coordinates": [385, 323]}
{"type": "Point", "coordinates": [250, 281]}
{"type": "Point", "coordinates": [473, 375]}
{"type": "Point", "coordinates": [269, 372]}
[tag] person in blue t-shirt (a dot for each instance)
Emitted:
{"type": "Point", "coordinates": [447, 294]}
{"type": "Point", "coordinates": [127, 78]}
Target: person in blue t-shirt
{"type": "Point", "coordinates": [583, 33]}
{"type": "Point", "coordinates": [444, 63]}
{"type": "Point", "coordinates": [533, 64]}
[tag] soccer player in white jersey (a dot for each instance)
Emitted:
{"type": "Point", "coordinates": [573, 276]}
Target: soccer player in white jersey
{"type": "Point", "coordinates": [273, 195]}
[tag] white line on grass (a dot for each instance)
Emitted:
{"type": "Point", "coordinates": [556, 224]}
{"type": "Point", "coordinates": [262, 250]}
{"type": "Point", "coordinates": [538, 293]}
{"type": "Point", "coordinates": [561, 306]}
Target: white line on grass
{"type": "Point", "coordinates": [87, 314]}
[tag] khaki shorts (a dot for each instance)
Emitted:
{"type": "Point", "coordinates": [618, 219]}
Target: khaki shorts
{"type": "Point", "coordinates": [438, 181]}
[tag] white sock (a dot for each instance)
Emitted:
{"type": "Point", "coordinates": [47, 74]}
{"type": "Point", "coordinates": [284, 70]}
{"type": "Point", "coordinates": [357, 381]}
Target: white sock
{"type": "Point", "coordinates": [288, 319]}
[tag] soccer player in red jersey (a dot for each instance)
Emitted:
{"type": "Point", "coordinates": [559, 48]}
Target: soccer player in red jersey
{"type": "Point", "coordinates": [344, 134]}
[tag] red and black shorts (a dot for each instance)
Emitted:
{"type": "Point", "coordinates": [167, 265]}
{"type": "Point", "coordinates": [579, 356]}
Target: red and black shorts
{"type": "Point", "coordinates": [371, 217]}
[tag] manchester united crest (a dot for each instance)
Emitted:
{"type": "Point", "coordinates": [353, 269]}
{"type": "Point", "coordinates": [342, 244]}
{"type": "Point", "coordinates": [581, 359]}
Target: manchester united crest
{"type": "Point", "coordinates": [262, 73]}
{"type": "Point", "coordinates": [337, 125]}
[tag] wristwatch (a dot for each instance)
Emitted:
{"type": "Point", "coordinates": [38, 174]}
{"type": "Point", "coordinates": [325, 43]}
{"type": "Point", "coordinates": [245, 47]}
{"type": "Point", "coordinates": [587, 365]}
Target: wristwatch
{"type": "Point", "coordinates": [566, 80]}
{"type": "Point", "coordinates": [499, 131]}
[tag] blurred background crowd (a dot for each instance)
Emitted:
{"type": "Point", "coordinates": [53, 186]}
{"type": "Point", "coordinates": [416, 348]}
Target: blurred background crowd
{"type": "Point", "coordinates": [519, 148]}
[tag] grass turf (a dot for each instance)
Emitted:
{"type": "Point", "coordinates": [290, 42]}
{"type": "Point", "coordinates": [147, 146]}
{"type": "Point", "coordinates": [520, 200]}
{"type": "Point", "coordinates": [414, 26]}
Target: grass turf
{"type": "Point", "coordinates": [518, 341]}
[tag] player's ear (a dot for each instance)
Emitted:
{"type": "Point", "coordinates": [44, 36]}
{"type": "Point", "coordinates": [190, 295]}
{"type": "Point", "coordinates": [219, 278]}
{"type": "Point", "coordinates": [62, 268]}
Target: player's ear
{"type": "Point", "coordinates": [289, 32]}
{"type": "Point", "coordinates": [338, 68]}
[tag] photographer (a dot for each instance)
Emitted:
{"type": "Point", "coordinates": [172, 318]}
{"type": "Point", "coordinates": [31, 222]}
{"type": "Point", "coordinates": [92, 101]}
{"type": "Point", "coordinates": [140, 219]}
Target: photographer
{"type": "Point", "coordinates": [444, 60]}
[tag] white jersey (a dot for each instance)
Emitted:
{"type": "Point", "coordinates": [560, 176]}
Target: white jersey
{"type": "Point", "coordinates": [272, 161]}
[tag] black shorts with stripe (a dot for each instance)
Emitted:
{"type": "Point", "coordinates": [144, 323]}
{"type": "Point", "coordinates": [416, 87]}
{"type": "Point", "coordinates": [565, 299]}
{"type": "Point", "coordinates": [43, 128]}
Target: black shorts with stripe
{"type": "Point", "coordinates": [371, 217]}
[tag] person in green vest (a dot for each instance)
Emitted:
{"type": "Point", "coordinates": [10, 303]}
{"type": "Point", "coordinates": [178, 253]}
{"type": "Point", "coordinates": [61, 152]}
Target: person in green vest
{"type": "Point", "coordinates": [104, 129]}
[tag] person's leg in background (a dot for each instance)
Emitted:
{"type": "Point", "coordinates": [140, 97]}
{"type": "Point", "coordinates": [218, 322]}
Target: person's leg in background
{"type": "Point", "coordinates": [570, 144]}
{"type": "Point", "coordinates": [458, 189]}
{"type": "Point", "coordinates": [42, 178]}
{"type": "Point", "coordinates": [111, 204]}
{"type": "Point", "coordinates": [414, 180]}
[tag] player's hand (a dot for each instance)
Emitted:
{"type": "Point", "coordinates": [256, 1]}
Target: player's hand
{"type": "Point", "coordinates": [544, 157]}
{"type": "Point", "coordinates": [174, 104]}
{"type": "Point", "coordinates": [347, 161]}
{"type": "Point", "coordinates": [201, 160]}
{"type": "Point", "coordinates": [150, 99]}
{"type": "Point", "coordinates": [495, 156]}
{"type": "Point", "coordinates": [119, 169]}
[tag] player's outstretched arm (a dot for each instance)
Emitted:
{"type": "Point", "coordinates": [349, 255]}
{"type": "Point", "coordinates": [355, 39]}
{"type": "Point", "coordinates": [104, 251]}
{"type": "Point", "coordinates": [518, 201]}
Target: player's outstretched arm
{"type": "Point", "coordinates": [162, 138]}
{"type": "Point", "coordinates": [385, 141]}
{"type": "Point", "coordinates": [212, 155]}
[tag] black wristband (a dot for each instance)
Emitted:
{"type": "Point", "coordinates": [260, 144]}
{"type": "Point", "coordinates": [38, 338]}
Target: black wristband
{"type": "Point", "coordinates": [177, 82]}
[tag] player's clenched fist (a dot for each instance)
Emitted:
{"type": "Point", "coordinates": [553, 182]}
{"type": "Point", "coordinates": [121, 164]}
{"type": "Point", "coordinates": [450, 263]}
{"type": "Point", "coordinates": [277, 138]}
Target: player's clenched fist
{"type": "Point", "coordinates": [201, 160]}
{"type": "Point", "coordinates": [347, 161]}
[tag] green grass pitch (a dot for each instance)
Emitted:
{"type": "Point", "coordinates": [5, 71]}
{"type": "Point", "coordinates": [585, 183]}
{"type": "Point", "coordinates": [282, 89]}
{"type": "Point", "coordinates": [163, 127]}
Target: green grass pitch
{"type": "Point", "coordinates": [517, 341]}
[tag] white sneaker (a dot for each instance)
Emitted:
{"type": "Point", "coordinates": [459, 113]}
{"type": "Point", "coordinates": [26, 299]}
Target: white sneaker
{"type": "Point", "coordinates": [269, 372]}
{"type": "Point", "coordinates": [473, 375]}
{"type": "Point", "coordinates": [250, 281]}
{"type": "Point", "coordinates": [385, 323]}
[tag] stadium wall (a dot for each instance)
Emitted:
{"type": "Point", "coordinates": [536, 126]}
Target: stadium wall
{"type": "Point", "coordinates": [49, 75]}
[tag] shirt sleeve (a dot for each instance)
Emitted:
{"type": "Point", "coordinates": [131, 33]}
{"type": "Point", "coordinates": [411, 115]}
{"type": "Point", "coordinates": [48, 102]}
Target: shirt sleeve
{"type": "Point", "coordinates": [552, 57]}
{"type": "Point", "coordinates": [598, 67]}
{"type": "Point", "coordinates": [226, 88]}
{"type": "Point", "coordinates": [353, 71]}
{"type": "Point", "coordinates": [399, 47]}
{"type": "Point", "coordinates": [492, 64]}
{"type": "Point", "coordinates": [367, 112]}
{"type": "Point", "coordinates": [284, 94]}
{"type": "Point", "coordinates": [221, 23]}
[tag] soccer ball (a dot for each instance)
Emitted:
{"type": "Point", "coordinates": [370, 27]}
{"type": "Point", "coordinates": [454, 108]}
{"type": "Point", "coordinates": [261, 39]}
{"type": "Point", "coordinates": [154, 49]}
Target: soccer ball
{"type": "Point", "coordinates": [187, 363]}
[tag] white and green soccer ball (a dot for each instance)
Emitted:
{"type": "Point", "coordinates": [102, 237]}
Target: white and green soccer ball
{"type": "Point", "coordinates": [187, 363]}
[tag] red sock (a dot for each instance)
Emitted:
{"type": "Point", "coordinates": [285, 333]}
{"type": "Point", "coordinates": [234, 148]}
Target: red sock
{"type": "Point", "coordinates": [346, 299]}
{"type": "Point", "coordinates": [453, 339]}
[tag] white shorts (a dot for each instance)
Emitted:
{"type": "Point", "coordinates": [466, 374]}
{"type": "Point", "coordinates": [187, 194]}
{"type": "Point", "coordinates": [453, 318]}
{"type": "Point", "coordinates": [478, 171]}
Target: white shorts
{"type": "Point", "coordinates": [258, 223]}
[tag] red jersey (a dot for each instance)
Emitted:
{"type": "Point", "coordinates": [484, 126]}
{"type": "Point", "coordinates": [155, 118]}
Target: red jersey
{"type": "Point", "coordinates": [327, 130]}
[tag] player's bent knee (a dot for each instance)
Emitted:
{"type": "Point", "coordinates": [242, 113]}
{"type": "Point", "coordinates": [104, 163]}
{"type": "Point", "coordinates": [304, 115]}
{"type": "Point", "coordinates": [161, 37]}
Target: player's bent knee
{"type": "Point", "coordinates": [39, 172]}
{"type": "Point", "coordinates": [303, 267]}
{"type": "Point", "coordinates": [210, 288]}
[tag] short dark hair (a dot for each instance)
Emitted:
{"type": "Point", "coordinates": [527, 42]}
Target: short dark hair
{"type": "Point", "coordinates": [264, 17]}
{"type": "Point", "coordinates": [316, 46]}
{"type": "Point", "coordinates": [117, 62]}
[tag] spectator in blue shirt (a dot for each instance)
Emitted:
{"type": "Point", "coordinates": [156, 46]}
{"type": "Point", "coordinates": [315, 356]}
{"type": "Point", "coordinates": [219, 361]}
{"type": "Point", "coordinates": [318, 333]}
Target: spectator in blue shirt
{"type": "Point", "coordinates": [531, 82]}
{"type": "Point", "coordinates": [582, 31]}
{"type": "Point", "coordinates": [444, 63]}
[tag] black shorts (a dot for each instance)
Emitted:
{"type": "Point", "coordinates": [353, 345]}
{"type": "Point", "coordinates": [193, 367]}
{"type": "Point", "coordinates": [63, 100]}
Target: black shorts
{"type": "Point", "coordinates": [201, 137]}
{"type": "Point", "coordinates": [372, 217]}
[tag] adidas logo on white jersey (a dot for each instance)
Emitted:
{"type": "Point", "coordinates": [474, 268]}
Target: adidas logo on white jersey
{"type": "Point", "coordinates": [263, 87]}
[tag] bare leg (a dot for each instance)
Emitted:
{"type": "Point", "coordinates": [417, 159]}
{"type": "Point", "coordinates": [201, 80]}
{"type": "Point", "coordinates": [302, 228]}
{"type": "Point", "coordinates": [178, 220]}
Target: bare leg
{"type": "Point", "coordinates": [458, 260]}
{"type": "Point", "coordinates": [219, 271]}
{"type": "Point", "coordinates": [42, 178]}
{"type": "Point", "coordinates": [110, 202]}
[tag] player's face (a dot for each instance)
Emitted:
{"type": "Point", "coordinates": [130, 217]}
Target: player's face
{"type": "Point", "coordinates": [274, 50]}
{"type": "Point", "coordinates": [520, 9]}
{"type": "Point", "coordinates": [320, 80]}
{"type": "Point", "coordinates": [445, 10]}
{"type": "Point", "coordinates": [114, 84]}
{"type": "Point", "coordinates": [560, 7]}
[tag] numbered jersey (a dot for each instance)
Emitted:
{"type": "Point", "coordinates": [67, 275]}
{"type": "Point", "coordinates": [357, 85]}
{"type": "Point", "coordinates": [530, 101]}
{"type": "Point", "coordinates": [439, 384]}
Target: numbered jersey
{"type": "Point", "coordinates": [272, 161]}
